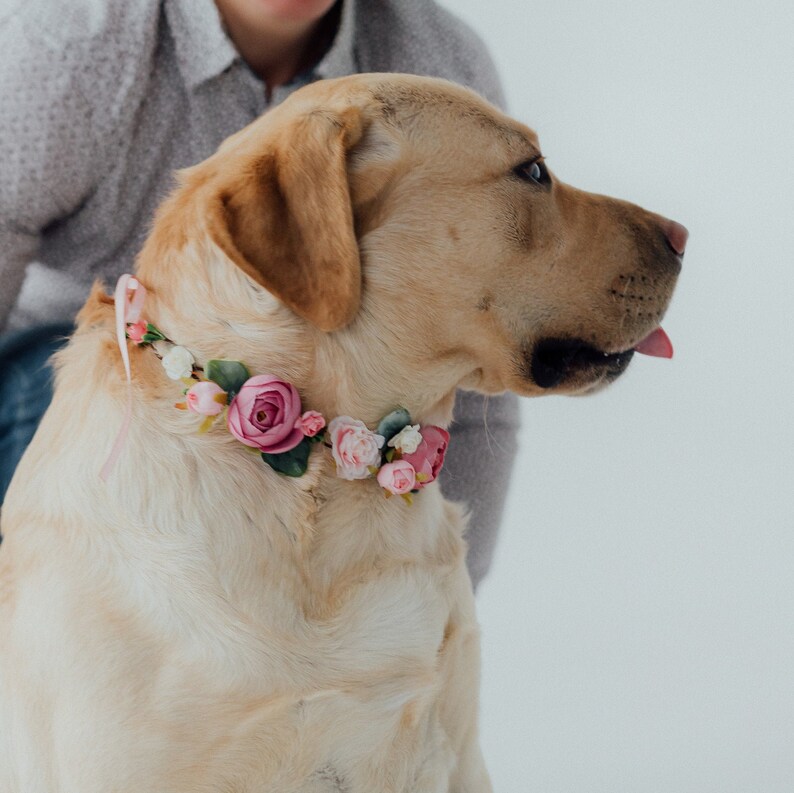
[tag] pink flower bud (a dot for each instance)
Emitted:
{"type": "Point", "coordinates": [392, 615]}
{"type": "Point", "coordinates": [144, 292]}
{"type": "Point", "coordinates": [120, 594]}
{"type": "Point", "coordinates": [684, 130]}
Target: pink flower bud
{"type": "Point", "coordinates": [310, 423]}
{"type": "Point", "coordinates": [398, 477]}
{"type": "Point", "coordinates": [206, 398]}
{"type": "Point", "coordinates": [136, 331]}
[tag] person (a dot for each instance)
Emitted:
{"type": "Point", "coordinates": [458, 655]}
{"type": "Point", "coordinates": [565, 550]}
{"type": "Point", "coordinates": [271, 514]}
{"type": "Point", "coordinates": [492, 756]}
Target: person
{"type": "Point", "coordinates": [102, 100]}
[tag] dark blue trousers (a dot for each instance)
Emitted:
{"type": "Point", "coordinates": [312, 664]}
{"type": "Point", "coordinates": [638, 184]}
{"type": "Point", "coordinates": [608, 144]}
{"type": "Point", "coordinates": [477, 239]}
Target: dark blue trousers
{"type": "Point", "coordinates": [25, 389]}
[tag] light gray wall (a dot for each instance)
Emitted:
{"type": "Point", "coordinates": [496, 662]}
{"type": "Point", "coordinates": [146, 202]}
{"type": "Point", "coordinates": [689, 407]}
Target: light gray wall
{"type": "Point", "coordinates": [638, 623]}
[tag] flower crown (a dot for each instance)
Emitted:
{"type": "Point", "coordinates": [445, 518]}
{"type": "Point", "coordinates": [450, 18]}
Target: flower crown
{"type": "Point", "coordinates": [265, 413]}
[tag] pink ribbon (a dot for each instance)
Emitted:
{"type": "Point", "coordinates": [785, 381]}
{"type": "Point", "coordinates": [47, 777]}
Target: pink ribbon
{"type": "Point", "coordinates": [129, 297]}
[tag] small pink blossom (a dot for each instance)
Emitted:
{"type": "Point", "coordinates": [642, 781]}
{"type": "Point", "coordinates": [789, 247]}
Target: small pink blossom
{"type": "Point", "coordinates": [428, 458]}
{"type": "Point", "coordinates": [310, 423]}
{"type": "Point", "coordinates": [355, 448]}
{"type": "Point", "coordinates": [136, 331]}
{"type": "Point", "coordinates": [398, 477]}
{"type": "Point", "coordinates": [263, 414]}
{"type": "Point", "coordinates": [206, 398]}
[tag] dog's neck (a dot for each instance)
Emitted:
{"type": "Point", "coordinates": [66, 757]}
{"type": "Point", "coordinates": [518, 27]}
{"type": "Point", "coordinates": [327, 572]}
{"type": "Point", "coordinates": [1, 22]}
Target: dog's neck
{"type": "Point", "coordinates": [327, 369]}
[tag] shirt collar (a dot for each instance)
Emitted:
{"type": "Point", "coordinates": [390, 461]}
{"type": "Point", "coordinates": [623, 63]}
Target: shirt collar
{"type": "Point", "coordinates": [203, 50]}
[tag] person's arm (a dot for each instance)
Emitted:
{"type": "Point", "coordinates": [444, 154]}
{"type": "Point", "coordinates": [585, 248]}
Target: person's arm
{"type": "Point", "coordinates": [477, 469]}
{"type": "Point", "coordinates": [48, 155]}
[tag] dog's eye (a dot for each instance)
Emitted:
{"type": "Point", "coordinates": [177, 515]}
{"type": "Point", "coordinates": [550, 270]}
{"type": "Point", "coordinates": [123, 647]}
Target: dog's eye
{"type": "Point", "coordinates": [533, 171]}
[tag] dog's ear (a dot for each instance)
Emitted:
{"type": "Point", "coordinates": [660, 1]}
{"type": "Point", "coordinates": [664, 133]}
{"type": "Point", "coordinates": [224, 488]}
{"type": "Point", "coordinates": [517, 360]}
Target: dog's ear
{"type": "Point", "coordinates": [287, 220]}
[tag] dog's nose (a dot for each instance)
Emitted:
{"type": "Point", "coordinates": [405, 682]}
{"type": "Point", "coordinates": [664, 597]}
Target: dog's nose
{"type": "Point", "coordinates": [677, 235]}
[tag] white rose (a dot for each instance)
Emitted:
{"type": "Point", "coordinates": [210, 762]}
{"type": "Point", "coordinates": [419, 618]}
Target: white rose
{"type": "Point", "coordinates": [407, 440]}
{"type": "Point", "coordinates": [178, 363]}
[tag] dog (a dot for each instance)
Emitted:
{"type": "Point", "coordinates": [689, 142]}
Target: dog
{"type": "Point", "coordinates": [197, 621]}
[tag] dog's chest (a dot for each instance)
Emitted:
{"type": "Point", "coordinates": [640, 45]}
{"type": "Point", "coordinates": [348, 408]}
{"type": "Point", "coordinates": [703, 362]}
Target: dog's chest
{"type": "Point", "coordinates": [243, 660]}
{"type": "Point", "coordinates": [381, 626]}
{"type": "Point", "coordinates": [367, 595]}
{"type": "Point", "coordinates": [329, 696]}
{"type": "Point", "coordinates": [346, 654]}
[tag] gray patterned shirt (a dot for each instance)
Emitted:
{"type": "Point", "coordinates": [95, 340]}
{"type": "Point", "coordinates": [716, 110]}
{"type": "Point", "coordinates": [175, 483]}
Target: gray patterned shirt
{"type": "Point", "coordinates": [101, 100]}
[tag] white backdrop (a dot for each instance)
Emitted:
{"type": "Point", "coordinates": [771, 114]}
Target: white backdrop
{"type": "Point", "coordinates": [638, 622]}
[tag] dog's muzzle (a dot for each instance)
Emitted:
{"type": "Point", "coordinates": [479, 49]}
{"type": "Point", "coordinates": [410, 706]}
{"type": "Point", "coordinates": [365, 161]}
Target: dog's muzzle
{"type": "Point", "coordinates": [555, 362]}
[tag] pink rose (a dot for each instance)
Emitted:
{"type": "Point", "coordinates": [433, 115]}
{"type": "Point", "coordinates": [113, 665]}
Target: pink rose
{"type": "Point", "coordinates": [136, 331]}
{"type": "Point", "coordinates": [263, 414]}
{"type": "Point", "coordinates": [354, 447]}
{"type": "Point", "coordinates": [206, 398]}
{"type": "Point", "coordinates": [398, 477]}
{"type": "Point", "coordinates": [428, 458]}
{"type": "Point", "coordinates": [310, 423]}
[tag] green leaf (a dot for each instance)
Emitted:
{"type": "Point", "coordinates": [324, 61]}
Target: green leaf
{"type": "Point", "coordinates": [291, 463]}
{"type": "Point", "coordinates": [229, 375]}
{"type": "Point", "coordinates": [392, 423]}
{"type": "Point", "coordinates": [153, 333]}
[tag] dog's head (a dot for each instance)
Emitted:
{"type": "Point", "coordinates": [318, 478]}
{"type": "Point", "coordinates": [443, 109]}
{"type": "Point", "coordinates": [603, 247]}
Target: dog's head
{"type": "Point", "coordinates": [413, 224]}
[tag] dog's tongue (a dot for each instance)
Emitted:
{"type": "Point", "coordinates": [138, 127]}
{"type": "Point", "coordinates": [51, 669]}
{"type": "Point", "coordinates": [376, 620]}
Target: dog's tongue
{"type": "Point", "coordinates": [657, 344]}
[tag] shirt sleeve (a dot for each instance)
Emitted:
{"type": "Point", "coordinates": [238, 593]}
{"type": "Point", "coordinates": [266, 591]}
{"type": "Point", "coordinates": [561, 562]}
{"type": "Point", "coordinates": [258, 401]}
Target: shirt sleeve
{"type": "Point", "coordinates": [477, 469]}
{"type": "Point", "coordinates": [47, 152]}
{"type": "Point", "coordinates": [475, 67]}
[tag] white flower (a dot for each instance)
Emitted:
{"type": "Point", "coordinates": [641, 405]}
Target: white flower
{"type": "Point", "coordinates": [407, 440]}
{"type": "Point", "coordinates": [178, 363]}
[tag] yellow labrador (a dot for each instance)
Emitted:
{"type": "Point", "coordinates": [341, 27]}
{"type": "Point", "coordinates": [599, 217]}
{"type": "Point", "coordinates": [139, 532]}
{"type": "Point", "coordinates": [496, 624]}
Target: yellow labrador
{"type": "Point", "coordinates": [200, 622]}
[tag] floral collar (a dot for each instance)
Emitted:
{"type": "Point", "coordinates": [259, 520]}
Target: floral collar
{"type": "Point", "coordinates": [265, 413]}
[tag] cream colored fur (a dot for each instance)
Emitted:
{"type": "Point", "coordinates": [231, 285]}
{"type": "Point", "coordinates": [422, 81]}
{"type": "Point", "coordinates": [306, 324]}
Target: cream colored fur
{"type": "Point", "coordinates": [201, 623]}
